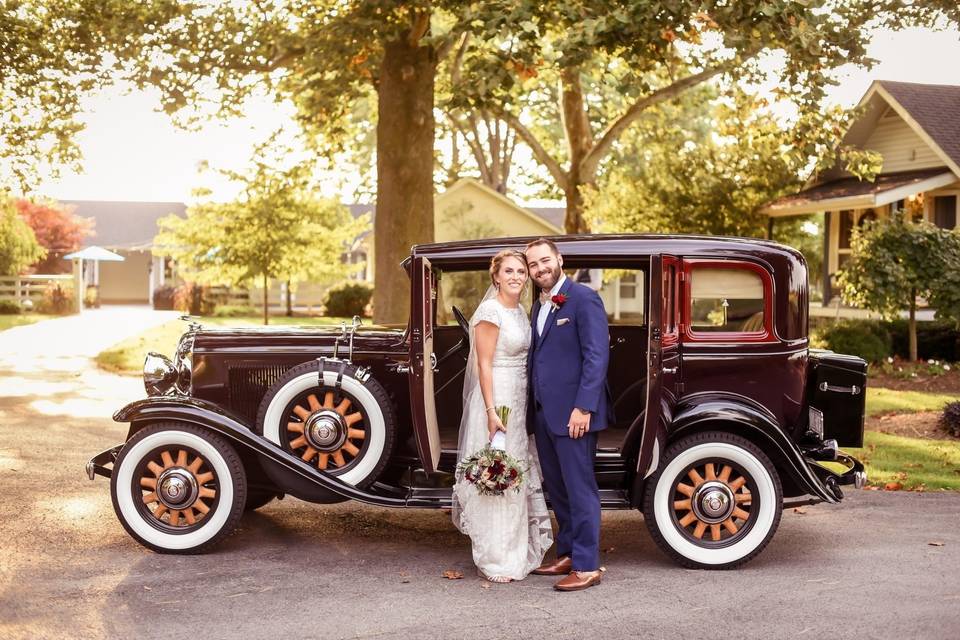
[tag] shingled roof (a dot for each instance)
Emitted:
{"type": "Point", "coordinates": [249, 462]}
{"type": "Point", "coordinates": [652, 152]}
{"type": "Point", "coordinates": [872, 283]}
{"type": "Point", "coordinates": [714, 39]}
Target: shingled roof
{"type": "Point", "coordinates": [935, 108]}
{"type": "Point", "coordinates": [124, 225]}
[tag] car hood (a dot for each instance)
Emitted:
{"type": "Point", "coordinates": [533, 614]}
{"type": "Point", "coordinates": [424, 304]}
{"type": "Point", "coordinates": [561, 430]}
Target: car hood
{"type": "Point", "coordinates": [283, 338]}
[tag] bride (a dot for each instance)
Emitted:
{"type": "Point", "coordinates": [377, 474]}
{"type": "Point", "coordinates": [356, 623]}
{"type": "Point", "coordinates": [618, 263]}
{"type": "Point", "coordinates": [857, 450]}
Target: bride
{"type": "Point", "coordinates": [510, 533]}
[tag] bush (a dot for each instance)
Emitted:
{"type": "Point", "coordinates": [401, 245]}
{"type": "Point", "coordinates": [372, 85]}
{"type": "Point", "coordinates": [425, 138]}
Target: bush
{"type": "Point", "coordinates": [868, 339]}
{"type": "Point", "coordinates": [193, 299]}
{"type": "Point", "coordinates": [163, 298]}
{"type": "Point", "coordinates": [56, 301]}
{"type": "Point", "coordinates": [935, 340]}
{"type": "Point", "coordinates": [234, 311]}
{"type": "Point", "coordinates": [349, 298]}
{"type": "Point", "coordinates": [950, 420]}
{"type": "Point", "coordinates": [9, 307]}
{"type": "Point", "coordinates": [91, 297]}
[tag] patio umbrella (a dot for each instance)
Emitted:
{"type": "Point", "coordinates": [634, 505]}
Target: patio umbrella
{"type": "Point", "coordinates": [97, 254]}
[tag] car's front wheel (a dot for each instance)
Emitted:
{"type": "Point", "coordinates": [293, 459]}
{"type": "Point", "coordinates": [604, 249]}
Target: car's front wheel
{"type": "Point", "coordinates": [714, 502]}
{"type": "Point", "coordinates": [178, 488]}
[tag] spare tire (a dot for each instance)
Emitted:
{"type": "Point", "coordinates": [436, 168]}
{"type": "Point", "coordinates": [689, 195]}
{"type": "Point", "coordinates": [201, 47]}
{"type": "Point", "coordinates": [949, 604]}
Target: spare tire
{"type": "Point", "coordinates": [344, 424]}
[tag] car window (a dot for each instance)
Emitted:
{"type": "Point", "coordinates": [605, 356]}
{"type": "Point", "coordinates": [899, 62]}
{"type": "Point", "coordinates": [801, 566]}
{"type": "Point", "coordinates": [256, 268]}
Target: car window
{"type": "Point", "coordinates": [624, 296]}
{"type": "Point", "coordinates": [726, 300]}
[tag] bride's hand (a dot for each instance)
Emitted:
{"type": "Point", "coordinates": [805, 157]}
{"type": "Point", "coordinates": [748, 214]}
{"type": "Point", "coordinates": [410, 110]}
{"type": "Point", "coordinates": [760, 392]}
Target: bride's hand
{"type": "Point", "coordinates": [494, 425]}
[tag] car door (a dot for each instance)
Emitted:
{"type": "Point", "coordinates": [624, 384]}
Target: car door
{"type": "Point", "coordinates": [663, 358]}
{"type": "Point", "coordinates": [423, 409]}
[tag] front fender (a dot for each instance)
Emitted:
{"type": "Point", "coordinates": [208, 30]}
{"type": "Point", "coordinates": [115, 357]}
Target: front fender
{"type": "Point", "coordinates": [733, 412]}
{"type": "Point", "coordinates": [148, 411]}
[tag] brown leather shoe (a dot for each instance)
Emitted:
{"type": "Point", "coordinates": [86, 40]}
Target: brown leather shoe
{"type": "Point", "coordinates": [578, 581]}
{"type": "Point", "coordinates": [558, 567]}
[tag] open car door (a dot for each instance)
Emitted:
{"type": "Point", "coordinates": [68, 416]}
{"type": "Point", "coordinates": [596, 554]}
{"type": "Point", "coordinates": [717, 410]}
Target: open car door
{"type": "Point", "coordinates": [663, 358]}
{"type": "Point", "coordinates": [423, 408]}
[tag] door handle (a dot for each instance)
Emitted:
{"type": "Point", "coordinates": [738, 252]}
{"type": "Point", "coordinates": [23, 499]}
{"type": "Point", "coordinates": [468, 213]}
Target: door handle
{"type": "Point", "coordinates": [671, 369]}
{"type": "Point", "coordinates": [852, 390]}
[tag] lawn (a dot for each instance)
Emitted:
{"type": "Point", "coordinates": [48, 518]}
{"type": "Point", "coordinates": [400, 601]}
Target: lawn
{"type": "Point", "coordinates": [888, 401]}
{"type": "Point", "coordinates": [20, 319]}
{"type": "Point", "coordinates": [913, 462]}
{"type": "Point", "coordinates": [126, 357]}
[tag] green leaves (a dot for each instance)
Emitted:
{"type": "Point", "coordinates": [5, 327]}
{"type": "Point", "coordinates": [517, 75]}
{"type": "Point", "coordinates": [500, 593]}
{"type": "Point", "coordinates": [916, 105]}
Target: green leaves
{"type": "Point", "coordinates": [18, 244]}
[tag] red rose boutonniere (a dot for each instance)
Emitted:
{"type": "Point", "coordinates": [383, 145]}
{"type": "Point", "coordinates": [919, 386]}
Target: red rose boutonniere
{"type": "Point", "coordinates": [557, 301]}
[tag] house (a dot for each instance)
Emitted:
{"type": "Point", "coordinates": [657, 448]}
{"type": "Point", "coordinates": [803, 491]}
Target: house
{"type": "Point", "coordinates": [916, 130]}
{"type": "Point", "coordinates": [126, 228]}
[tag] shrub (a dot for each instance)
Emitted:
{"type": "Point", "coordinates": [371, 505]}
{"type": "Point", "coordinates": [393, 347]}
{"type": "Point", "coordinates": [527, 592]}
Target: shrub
{"type": "Point", "coordinates": [234, 311]}
{"type": "Point", "coordinates": [56, 301]}
{"type": "Point", "coordinates": [91, 297]}
{"type": "Point", "coordinates": [193, 299]}
{"type": "Point", "coordinates": [950, 419]}
{"type": "Point", "coordinates": [163, 298]}
{"type": "Point", "coordinates": [349, 298]}
{"type": "Point", "coordinates": [937, 340]}
{"type": "Point", "coordinates": [9, 307]}
{"type": "Point", "coordinates": [867, 339]}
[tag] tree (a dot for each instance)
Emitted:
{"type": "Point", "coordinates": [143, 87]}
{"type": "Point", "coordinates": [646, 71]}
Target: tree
{"type": "Point", "coordinates": [325, 56]}
{"type": "Point", "coordinates": [571, 78]}
{"type": "Point", "coordinates": [18, 246]}
{"type": "Point", "coordinates": [57, 230]}
{"type": "Point", "coordinates": [276, 229]}
{"type": "Point", "coordinates": [894, 262]}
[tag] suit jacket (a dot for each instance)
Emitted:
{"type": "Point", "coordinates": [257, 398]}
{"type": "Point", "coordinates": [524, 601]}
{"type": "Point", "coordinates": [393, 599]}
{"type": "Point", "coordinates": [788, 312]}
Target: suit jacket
{"type": "Point", "coordinates": [567, 364]}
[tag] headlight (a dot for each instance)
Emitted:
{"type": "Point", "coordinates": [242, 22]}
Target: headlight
{"type": "Point", "coordinates": [159, 374]}
{"type": "Point", "coordinates": [183, 363]}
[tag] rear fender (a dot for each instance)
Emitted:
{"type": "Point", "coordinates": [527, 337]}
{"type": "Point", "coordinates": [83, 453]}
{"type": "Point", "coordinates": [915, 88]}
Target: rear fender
{"type": "Point", "coordinates": [301, 479]}
{"type": "Point", "coordinates": [720, 411]}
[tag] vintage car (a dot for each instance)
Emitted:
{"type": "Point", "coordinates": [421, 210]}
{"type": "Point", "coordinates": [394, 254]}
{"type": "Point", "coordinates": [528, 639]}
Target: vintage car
{"type": "Point", "coordinates": [724, 414]}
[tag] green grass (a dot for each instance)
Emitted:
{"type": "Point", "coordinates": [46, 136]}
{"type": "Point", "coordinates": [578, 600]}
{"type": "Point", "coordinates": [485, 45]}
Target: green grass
{"type": "Point", "coordinates": [20, 319]}
{"type": "Point", "coordinates": [126, 357]}
{"type": "Point", "coordinates": [887, 401]}
{"type": "Point", "coordinates": [913, 462]}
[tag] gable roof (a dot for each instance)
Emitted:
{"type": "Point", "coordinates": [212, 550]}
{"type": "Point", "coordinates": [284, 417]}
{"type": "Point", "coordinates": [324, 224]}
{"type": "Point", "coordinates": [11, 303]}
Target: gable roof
{"type": "Point", "coordinates": [124, 225]}
{"type": "Point", "coordinates": [933, 108]}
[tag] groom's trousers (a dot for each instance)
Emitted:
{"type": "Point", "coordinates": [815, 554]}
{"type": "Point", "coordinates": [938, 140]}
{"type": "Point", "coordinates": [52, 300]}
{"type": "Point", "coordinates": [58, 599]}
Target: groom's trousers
{"type": "Point", "coordinates": [569, 479]}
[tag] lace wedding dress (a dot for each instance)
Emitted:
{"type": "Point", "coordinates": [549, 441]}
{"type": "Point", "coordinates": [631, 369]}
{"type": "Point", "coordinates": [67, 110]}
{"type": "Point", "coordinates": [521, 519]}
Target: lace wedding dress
{"type": "Point", "coordinates": [510, 533]}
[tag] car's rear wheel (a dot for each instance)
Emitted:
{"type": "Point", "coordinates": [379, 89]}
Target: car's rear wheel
{"type": "Point", "coordinates": [178, 488]}
{"type": "Point", "coordinates": [343, 424]}
{"type": "Point", "coordinates": [714, 502]}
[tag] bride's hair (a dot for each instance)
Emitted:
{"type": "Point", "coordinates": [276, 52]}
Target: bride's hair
{"type": "Point", "coordinates": [502, 255]}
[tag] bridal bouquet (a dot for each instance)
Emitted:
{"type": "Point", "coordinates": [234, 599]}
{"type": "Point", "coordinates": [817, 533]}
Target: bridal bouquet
{"type": "Point", "coordinates": [490, 469]}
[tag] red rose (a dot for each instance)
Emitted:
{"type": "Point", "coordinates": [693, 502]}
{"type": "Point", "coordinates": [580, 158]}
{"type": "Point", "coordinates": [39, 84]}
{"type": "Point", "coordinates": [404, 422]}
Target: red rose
{"type": "Point", "coordinates": [558, 299]}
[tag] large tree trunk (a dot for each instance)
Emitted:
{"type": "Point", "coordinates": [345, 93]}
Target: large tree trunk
{"type": "Point", "coordinates": [579, 136]}
{"type": "Point", "coordinates": [405, 131]}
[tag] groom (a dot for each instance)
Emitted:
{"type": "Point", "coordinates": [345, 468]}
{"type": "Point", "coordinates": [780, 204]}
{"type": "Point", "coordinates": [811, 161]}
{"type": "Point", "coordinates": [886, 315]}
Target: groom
{"type": "Point", "coordinates": [567, 406]}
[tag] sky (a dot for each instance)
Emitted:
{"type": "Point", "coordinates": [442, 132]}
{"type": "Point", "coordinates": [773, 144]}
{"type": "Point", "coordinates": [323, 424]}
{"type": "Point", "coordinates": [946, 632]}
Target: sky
{"type": "Point", "coordinates": [132, 152]}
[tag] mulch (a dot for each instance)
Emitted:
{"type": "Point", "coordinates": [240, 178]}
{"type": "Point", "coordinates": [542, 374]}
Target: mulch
{"type": "Point", "coordinates": [947, 382]}
{"type": "Point", "coordinates": [911, 425]}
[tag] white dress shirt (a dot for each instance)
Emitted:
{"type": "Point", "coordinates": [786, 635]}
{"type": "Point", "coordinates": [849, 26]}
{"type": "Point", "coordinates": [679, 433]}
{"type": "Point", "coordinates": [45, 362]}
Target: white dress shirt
{"type": "Point", "coordinates": [545, 309]}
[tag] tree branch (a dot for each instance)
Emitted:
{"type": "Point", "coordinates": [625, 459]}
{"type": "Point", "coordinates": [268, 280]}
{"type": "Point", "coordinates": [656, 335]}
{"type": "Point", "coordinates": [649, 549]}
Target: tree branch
{"type": "Point", "coordinates": [539, 152]}
{"type": "Point", "coordinates": [475, 149]}
{"type": "Point", "coordinates": [444, 49]}
{"type": "Point", "coordinates": [421, 24]}
{"type": "Point", "coordinates": [590, 162]}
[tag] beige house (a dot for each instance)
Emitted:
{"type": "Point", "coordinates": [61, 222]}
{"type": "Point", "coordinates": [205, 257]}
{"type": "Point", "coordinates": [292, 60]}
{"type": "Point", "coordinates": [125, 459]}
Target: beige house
{"type": "Point", "coordinates": [916, 130]}
{"type": "Point", "coordinates": [126, 228]}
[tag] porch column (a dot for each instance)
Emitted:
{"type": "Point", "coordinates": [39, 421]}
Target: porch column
{"type": "Point", "coordinates": [770, 228]}
{"type": "Point", "coordinates": [827, 291]}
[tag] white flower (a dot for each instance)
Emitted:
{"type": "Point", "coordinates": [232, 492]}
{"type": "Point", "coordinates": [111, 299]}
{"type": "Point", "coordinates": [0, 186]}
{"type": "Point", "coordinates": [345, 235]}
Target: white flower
{"type": "Point", "coordinates": [946, 367]}
{"type": "Point", "coordinates": [890, 359]}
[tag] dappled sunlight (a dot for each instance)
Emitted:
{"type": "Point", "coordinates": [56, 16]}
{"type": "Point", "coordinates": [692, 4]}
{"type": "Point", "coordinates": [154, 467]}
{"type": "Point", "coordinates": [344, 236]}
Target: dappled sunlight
{"type": "Point", "coordinates": [10, 460]}
{"type": "Point", "coordinates": [19, 386]}
{"type": "Point", "coordinates": [72, 508]}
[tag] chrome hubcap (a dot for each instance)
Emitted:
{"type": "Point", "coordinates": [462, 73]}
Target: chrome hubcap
{"type": "Point", "coordinates": [326, 430]}
{"type": "Point", "coordinates": [177, 488]}
{"type": "Point", "coordinates": [713, 502]}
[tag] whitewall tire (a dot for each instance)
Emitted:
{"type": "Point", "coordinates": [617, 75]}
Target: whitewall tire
{"type": "Point", "coordinates": [178, 488]}
{"type": "Point", "coordinates": [346, 430]}
{"type": "Point", "coordinates": [714, 502]}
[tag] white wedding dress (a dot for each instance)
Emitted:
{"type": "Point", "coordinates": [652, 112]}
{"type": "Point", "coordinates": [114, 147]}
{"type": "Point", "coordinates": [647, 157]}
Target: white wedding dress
{"type": "Point", "coordinates": [510, 533]}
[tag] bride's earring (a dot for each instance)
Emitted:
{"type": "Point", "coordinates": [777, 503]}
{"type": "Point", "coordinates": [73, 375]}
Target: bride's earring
{"type": "Point", "coordinates": [496, 285]}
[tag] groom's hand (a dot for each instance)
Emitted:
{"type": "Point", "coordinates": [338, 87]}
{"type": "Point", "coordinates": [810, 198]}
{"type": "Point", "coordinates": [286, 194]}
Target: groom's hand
{"type": "Point", "coordinates": [579, 423]}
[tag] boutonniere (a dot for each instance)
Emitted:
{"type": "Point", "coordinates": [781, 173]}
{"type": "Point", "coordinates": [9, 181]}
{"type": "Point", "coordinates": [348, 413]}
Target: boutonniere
{"type": "Point", "coordinates": [557, 301]}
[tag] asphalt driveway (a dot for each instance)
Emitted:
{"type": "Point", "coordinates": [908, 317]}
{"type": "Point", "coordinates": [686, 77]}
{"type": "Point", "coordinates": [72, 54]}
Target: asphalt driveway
{"type": "Point", "coordinates": [881, 565]}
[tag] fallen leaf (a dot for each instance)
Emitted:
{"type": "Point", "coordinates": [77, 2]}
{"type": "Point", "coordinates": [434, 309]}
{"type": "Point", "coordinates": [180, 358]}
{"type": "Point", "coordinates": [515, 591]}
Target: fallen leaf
{"type": "Point", "coordinates": [405, 581]}
{"type": "Point", "coordinates": [935, 544]}
{"type": "Point", "coordinates": [799, 510]}
{"type": "Point", "coordinates": [893, 486]}
{"type": "Point", "coordinates": [484, 585]}
{"type": "Point", "coordinates": [452, 574]}
{"type": "Point", "coordinates": [609, 549]}
{"type": "Point", "coordinates": [871, 487]}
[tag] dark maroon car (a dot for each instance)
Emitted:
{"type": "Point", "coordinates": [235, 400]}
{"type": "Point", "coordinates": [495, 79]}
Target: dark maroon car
{"type": "Point", "coordinates": [724, 414]}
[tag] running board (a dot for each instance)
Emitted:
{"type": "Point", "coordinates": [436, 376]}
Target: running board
{"type": "Point", "coordinates": [440, 498]}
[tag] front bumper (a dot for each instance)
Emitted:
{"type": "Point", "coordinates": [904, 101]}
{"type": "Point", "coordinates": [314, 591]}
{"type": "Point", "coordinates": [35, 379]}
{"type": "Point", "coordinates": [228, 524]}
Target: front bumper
{"type": "Point", "coordinates": [98, 463]}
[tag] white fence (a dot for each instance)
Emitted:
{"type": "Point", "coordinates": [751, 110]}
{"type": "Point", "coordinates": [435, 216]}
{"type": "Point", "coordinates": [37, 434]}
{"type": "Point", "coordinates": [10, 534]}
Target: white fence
{"type": "Point", "coordinates": [21, 288]}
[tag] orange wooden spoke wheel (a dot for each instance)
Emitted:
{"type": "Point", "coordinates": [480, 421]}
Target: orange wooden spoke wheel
{"type": "Point", "coordinates": [331, 432]}
{"type": "Point", "coordinates": [713, 503]}
{"type": "Point", "coordinates": [178, 488]}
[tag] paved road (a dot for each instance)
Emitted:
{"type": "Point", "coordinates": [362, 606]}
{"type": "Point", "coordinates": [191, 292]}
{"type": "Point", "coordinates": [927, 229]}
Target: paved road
{"type": "Point", "coordinates": [864, 569]}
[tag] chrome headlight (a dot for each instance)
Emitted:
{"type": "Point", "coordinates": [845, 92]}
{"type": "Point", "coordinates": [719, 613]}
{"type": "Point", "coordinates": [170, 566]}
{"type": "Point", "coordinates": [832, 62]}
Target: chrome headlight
{"type": "Point", "coordinates": [159, 374]}
{"type": "Point", "coordinates": [183, 363]}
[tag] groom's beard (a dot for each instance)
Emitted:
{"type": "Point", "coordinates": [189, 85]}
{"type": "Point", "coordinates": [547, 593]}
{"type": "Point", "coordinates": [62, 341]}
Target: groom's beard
{"type": "Point", "coordinates": [554, 277]}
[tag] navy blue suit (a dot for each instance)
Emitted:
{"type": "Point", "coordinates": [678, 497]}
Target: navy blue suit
{"type": "Point", "coordinates": [567, 366]}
